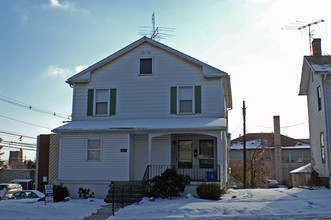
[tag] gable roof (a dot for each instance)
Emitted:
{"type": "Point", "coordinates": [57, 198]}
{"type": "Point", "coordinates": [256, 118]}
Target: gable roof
{"type": "Point", "coordinates": [207, 70]}
{"type": "Point", "coordinates": [319, 65]}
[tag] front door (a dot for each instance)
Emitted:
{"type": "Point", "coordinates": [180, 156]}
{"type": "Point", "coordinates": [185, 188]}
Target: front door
{"type": "Point", "coordinates": [185, 153]}
{"type": "Point", "coordinates": [195, 155]}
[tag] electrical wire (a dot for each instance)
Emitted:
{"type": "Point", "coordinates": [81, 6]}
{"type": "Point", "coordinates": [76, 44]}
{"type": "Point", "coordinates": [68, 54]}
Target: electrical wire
{"type": "Point", "coordinates": [33, 108]}
{"type": "Point", "coordinates": [6, 146]}
{"type": "Point", "coordinates": [18, 143]}
{"type": "Point", "coordinates": [25, 122]}
{"type": "Point", "coordinates": [15, 134]}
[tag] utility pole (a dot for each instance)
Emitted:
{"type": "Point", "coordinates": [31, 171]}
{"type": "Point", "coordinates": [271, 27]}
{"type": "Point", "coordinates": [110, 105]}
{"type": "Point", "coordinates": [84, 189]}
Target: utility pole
{"type": "Point", "coordinates": [244, 128]}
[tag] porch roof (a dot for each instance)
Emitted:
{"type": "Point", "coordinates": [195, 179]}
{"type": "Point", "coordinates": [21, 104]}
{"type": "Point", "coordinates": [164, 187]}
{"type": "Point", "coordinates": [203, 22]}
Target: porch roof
{"type": "Point", "coordinates": [183, 124]}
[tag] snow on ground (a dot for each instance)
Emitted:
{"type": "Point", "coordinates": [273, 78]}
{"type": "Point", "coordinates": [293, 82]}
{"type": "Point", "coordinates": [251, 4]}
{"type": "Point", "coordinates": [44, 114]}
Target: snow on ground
{"type": "Point", "coordinates": [296, 203]}
{"type": "Point", "coordinates": [29, 209]}
{"type": "Point", "coordinates": [281, 203]}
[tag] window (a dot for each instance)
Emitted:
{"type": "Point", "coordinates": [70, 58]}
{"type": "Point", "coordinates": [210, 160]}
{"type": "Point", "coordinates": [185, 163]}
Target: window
{"type": "Point", "coordinates": [101, 102]}
{"type": "Point", "coordinates": [185, 149]}
{"type": "Point", "coordinates": [322, 147]}
{"type": "Point", "coordinates": [185, 99]}
{"type": "Point", "coordinates": [146, 66]}
{"type": "Point", "coordinates": [319, 98]}
{"type": "Point", "coordinates": [93, 149]}
{"type": "Point", "coordinates": [206, 153]}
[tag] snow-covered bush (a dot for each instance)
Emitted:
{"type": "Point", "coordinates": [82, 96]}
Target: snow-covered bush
{"type": "Point", "coordinates": [211, 191]}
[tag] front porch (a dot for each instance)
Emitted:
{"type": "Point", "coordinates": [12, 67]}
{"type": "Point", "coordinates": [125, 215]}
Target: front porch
{"type": "Point", "coordinates": [196, 173]}
{"type": "Point", "coordinates": [200, 155]}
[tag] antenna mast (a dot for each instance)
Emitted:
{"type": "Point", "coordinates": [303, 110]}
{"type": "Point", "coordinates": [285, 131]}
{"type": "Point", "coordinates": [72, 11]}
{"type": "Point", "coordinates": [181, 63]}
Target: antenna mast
{"type": "Point", "coordinates": [157, 33]}
{"type": "Point", "coordinates": [299, 25]}
{"type": "Point", "coordinates": [155, 30]}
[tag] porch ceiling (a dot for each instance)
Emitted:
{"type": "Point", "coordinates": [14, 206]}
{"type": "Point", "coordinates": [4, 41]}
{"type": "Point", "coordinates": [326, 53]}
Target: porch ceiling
{"type": "Point", "coordinates": [183, 124]}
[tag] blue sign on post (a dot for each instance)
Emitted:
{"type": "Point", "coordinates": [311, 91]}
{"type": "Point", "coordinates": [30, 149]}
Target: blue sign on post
{"type": "Point", "coordinates": [48, 194]}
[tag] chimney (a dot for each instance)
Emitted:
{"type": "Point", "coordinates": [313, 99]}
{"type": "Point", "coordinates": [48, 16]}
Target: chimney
{"type": "Point", "coordinates": [278, 160]}
{"type": "Point", "coordinates": [317, 51]}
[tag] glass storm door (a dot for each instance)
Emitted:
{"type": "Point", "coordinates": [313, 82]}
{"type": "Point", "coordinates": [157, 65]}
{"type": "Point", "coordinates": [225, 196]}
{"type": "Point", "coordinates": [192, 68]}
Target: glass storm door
{"type": "Point", "coordinates": [206, 153]}
{"type": "Point", "coordinates": [185, 153]}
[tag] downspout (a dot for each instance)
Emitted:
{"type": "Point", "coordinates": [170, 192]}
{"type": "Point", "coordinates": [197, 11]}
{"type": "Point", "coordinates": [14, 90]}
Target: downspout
{"type": "Point", "coordinates": [326, 126]}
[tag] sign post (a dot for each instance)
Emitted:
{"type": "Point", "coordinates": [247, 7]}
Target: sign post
{"type": "Point", "coordinates": [48, 194]}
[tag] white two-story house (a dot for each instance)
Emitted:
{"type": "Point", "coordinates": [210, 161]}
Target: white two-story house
{"type": "Point", "coordinates": [141, 110]}
{"type": "Point", "coordinates": [316, 85]}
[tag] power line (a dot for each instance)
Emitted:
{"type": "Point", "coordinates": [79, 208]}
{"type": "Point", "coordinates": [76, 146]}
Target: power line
{"type": "Point", "coordinates": [15, 134]}
{"type": "Point", "coordinates": [6, 146]}
{"type": "Point", "coordinates": [19, 144]}
{"type": "Point", "coordinates": [25, 122]}
{"type": "Point", "coordinates": [33, 108]}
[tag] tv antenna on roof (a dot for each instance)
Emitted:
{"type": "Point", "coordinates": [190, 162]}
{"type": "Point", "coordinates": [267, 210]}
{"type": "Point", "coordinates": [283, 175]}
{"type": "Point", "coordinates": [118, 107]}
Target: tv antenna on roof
{"type": "Point", "coordinates": [157, 32]}
{"type": "Point", "coordinates": [299, 25]}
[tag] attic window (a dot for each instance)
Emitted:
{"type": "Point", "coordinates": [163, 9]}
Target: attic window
{"type": "Point", "coordinates": [146, 66]}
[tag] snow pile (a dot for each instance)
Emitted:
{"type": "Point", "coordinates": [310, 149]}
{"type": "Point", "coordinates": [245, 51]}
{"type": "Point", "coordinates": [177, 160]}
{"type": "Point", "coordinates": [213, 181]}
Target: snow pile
{"type": "Point", "coordinates": [28, 209]}
{"type": "Point", "coordinates": [293, 203]}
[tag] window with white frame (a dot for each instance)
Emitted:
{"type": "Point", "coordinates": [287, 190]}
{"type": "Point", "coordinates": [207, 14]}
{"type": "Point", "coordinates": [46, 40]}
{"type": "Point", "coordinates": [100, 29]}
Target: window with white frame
{"type": "Point", "coordinates": [146, 66]}
{"type": "Point", "coordinates": [93, 150]}
{"type": "Point", "coordinates": [185, 99]}
{"type": "Point", "coordinates": [322, 147]}
{"type": "Point", "coordinates": [319, 98]}
{"type": "Point", "coordinates": [101, 101]}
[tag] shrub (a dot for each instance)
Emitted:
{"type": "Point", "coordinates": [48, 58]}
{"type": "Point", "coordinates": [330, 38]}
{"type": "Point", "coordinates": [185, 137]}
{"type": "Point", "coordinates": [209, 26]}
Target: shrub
{"type": "Point", "coordinates": [60, 192]}
{"type": "Point", "coordinates": [85, 193]}
{"type": "Point", "coordinates": [211, 191]}
{"type": "Point", "coordinates": [169, 184]}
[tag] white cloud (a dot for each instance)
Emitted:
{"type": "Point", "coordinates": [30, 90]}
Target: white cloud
{"type": "Point", "coordinates": [57, 4]}
{"type": "Point", "coordinates": [80, 68]}
{"type": "Point", "coordinates": [55, 71]}
{"type": "Point", "coordinates": [63, 73]}
{"type": "Point", "coordinates": [24, 19]}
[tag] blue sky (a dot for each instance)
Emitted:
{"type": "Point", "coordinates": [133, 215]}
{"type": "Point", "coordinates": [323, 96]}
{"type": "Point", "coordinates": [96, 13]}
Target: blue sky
{"type": "Point", "coordinates": [45, 42]}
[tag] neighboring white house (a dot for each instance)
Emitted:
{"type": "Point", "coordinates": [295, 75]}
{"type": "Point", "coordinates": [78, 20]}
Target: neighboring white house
{"type": "Point", "coordinates": [316, 85]}
{"type": "Point", "coordinates": [147, 105]}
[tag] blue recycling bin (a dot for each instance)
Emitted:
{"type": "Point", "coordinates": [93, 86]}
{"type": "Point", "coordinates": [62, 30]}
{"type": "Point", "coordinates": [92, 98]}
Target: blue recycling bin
{"type": "Point", "coordinates": [212, 176]}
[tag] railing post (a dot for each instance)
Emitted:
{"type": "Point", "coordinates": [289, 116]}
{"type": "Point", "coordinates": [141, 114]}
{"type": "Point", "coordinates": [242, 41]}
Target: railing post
{"type": "Point", "coordinates": [113, 203]}
{"type": "Point", "coordinates": [122, 196]}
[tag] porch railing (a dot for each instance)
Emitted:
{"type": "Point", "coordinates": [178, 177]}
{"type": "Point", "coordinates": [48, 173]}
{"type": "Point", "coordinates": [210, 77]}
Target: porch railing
{"type": "Point", "coordinates": [195, 172]}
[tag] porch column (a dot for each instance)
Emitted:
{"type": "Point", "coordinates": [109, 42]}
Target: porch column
{"type": "Point", "coordinates": [219, 157]}
{"type": "Point", "coordinates": [149, 149]}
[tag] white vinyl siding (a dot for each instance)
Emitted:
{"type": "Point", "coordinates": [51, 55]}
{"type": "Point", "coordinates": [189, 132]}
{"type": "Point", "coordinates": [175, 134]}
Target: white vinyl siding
{"type": "Point", "coordinates": [161, 150]}
{"type": "Point", "coordinates": [317, 124]}
{"type": "Point", "coordinates": [148, 97]}
{"type": "Point", "coordinates": [139, 160]}
{"type": "Point", "coordinates": [113, 164]}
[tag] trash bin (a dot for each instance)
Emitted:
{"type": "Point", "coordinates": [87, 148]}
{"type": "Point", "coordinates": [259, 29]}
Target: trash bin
{"type": "Point", "coordinates": [212, 176]}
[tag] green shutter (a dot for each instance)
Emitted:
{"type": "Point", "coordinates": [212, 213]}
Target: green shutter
{"type": "Point", "coordinates": [173, 100]}
{"type": "Point", "coordinates": [112, 102]}
{"type": "Point", "coordinates": [90, 96]}
{"type": "Point", "coordinates": [197, 94]}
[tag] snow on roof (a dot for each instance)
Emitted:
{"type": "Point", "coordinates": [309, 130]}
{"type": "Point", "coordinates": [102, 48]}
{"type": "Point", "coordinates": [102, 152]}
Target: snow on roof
{"type": "Point", "coordinates": [253, 144]}
{"type": "Point", "coordinates": [145, 124]}
{"type": "Point", "coordinates": [304, 169]}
